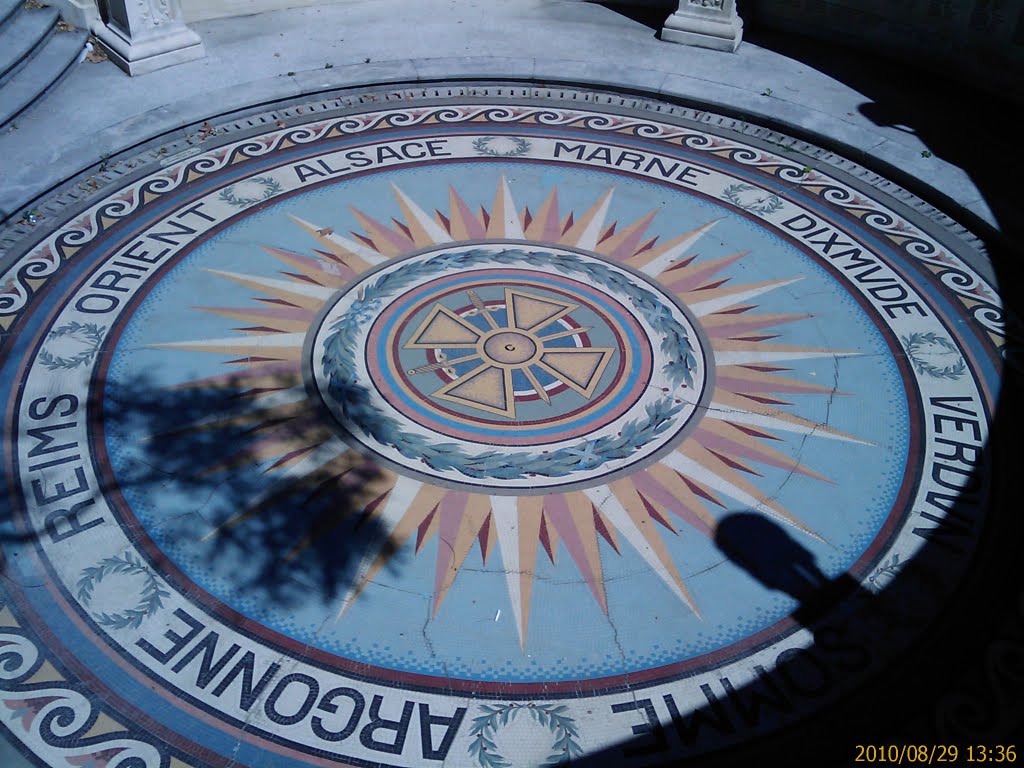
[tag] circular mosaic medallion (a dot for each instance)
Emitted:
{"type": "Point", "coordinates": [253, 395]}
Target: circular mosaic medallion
{"type": "Point", "coordinates": [575, 367]}
{"type": "Point", "coordinates": [474, 433]}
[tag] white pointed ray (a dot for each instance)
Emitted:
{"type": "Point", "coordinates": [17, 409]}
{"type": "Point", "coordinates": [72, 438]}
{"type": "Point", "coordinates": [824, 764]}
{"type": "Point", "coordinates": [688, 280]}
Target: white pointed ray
{"type": "Point", "coordinates": [431, 227]}
{"type": "Point", "coordinates": [702, 308]}
{"type": "Point", "coordinates": [733, 414]}
{"type": "Point", "coordinates": [754, 356]}
{"type": "Point", "coordinates": [323, 453]}
{"type": "Point", "coordinates": [506, 523]}
{"type": "Point", "coordinates": [690, 468]}
{"type": "Point", "coordinates": [588, 238]}
{"type": "Point", "coordinates": [396, 505]}
{"type": "Point", "coordinates": [296, 288]}
{"type": "Point", "coordinates": [366, 254]}
{"type": "Point", "coordinates": [282, 397]}
{"type": "Point", "coordinates": [616, 514]}
{"type": "Point", "coordinates": [513, 227]}
{"type": "Point", "coordinates": [664, 261]}
{"type": "Point", "coordinates": [262, 340]}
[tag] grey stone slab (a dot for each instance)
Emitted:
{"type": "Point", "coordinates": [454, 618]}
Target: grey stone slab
{"type": "Point", "coordinates": [712, 93]}
{"type": "Point", "coordinates": [600, 74]}
{"type": "Point", "coordinates": [982, 210]}
{"type": "Point", "coordinates": [930, 170]}
{"type": "Point", "coordinates": [354, 76]}
{"type": "Point", "coordinates": [186, 112]}
{"type": "Point", "coordinates": [475, 67]}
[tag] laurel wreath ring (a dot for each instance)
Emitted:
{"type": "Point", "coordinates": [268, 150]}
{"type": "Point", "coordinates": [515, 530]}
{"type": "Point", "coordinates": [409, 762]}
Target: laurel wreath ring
{"type": "Point", "coordinates": [482, 146]}
{"type": "Point", "coordinates": [888, 569]}
{"type": "Point", "coordinates": [271, 188]}
{"type": "Point", "coordinates": [92, 332]}
{"type": "Point", "coordinates": [354, 399]}
{"type": "Point", "coordinates": [485, 727]}
{"type": "Point", "coordinates": [731, 193]}
{"type": "Point", "coordinates": [150, 599]}
{"type": "Point", "coordinates": [915, 341]}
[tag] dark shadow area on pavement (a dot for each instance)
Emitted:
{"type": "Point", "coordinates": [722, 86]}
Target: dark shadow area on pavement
{"type": "Point", "coordinates": [971, 129]}
{"type": "Point", "coordinates": [909, 656]}
{"type": "Point", "coordinates": [650, 13]}
{"type": "Point", "coordinates": [943, 667]}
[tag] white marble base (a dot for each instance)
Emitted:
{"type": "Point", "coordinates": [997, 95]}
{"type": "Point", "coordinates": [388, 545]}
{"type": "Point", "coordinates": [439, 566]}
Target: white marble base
{"type": "Point", "coordinates": [720, 29]}
{"type": "Point", "coordinates": [138, 58]}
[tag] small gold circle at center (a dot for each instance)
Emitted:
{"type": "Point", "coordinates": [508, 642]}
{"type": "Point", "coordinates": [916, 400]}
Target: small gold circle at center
{"type": "Point", "coordinates": [509, 348]}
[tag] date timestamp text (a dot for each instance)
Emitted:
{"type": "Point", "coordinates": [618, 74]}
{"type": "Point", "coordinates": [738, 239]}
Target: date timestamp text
{"type": "Point", "coordinates": [934, 754]}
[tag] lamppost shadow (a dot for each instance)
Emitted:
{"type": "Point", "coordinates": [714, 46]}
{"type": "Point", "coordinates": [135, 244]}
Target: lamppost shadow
{"type": "Point", "coordinates": [906, 656]}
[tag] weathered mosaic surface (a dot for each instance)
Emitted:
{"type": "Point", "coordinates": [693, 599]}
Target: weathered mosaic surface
{"type": "Point", "coordinates": [481, 434]}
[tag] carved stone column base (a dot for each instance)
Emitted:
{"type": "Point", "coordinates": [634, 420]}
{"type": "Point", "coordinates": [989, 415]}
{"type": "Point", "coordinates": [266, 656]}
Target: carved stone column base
{"type": "Point", "coordinates": [706, 26]}
{"type": "Point", "coordinates": [145, 35]}
{"type": "Point", "coordinates": [141, 57]}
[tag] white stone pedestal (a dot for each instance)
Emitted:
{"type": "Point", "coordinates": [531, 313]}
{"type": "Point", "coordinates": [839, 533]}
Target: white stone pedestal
{"type": "Point", "coordinates": [145, 35]}
{"type": "Point", "coordinates": [705, 24]}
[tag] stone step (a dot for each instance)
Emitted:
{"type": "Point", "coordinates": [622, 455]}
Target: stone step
{"type": "Point", "coordinates": [43, 70]}
{"type": "Point", "coordinates": [9, 8]}
{"type": "Point", "coordinates": [20, 34]}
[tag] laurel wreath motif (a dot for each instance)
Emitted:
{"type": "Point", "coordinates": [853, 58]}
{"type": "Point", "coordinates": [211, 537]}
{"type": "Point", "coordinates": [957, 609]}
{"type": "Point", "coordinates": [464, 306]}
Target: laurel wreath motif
{"type": "Point", "coordinates": [91, 332]}
{"type": "Point", "coordinates": [150, 599]}
{"type": "Point", "coordinates": [271, 187]}
{"type": "Point", "coordinates": [914, 343]}
{"type": "Point", "coordinates": [354, 399]}
{"type": "Point", "coordinates": [770, 204]}
{"type": "Point", "coordinates": [483, 146]}
{"type": "Point", "coordinates": [482, 747]}
{"type": "Point", "coordinates": [888, 569]}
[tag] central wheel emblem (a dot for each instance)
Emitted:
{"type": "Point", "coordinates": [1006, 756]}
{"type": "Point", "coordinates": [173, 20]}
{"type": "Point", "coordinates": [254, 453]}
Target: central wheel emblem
{"type": "Point", "coordinates": [519, 337]}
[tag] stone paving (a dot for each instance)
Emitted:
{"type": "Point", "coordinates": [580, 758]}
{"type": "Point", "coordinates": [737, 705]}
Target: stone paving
{"type": "Point", "coordinates": [502, 424]}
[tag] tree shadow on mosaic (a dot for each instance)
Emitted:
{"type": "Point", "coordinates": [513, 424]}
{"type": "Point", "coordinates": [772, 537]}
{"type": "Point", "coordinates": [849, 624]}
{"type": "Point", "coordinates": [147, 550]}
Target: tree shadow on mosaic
{"type": "Point", "coordinates": [908, 655]}
{"type": "Point", "coordinates": [207, 483]}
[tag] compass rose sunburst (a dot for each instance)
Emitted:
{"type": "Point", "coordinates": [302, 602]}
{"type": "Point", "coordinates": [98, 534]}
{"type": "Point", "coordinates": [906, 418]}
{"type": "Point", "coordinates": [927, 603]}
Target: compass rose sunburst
{"type": "Point", "coordinates": [491, 304]}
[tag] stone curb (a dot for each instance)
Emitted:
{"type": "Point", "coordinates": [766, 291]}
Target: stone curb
{"type": "Point", "coordinates": [297, 103]}
{"type": "Point", "coordinates": [931, 177]}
